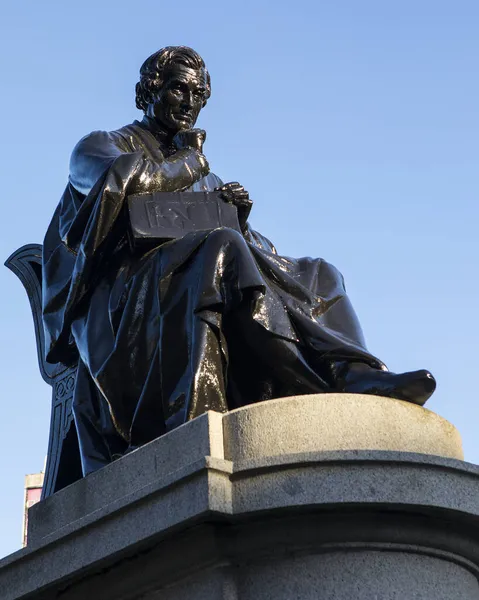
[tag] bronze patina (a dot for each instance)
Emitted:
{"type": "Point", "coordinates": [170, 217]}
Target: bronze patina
{"type": "Point", "coordinates": [210, 320]}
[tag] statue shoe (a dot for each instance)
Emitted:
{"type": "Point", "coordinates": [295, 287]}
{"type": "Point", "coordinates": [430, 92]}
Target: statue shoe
{"type": "Point", "coordinates": [359, 378]}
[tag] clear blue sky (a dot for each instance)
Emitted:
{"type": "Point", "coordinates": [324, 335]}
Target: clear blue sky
{"type": "Point", "coordinates": [354, 125]}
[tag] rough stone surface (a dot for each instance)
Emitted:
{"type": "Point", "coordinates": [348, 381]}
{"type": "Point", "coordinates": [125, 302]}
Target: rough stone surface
{"type": "Point", "coordinates": [150, 464]}
{"type": "Point", "coordinates": [217, 584]}
{"type": "Point", "coordinates": [359, 575]}
{"type": "Point", "coordinates": [213, 510]}
{"type": "Point", "coordinates": [322, 422]}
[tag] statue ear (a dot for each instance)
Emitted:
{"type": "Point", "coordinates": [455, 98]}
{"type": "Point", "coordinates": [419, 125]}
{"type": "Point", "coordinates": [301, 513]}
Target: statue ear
{"type": "Point", "coordinates": [141, 97]}
{"type": "Point", "coordinates": [147, 95]}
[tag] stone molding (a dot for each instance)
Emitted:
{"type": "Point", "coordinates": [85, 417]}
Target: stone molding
{"type": "Point", "coordinates": [178, 510]}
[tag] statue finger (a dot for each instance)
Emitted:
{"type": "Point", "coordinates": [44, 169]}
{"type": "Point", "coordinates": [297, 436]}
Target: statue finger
{"type": "Point", "coordinates": [227, 196]}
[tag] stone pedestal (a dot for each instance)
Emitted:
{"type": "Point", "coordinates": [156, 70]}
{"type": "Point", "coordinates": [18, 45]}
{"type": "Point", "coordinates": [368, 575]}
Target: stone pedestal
{"type": "Point", "coordinates": [331, 497]}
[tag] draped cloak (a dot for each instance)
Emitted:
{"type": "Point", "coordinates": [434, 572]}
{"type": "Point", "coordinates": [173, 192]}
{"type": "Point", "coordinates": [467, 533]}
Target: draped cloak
{"type": "Point", "coordinates": [212, 321]}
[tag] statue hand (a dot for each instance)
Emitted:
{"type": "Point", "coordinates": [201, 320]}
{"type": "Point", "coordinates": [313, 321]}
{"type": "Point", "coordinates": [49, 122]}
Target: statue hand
{"type": "Point", "coordinates": [236, 194]}
{"type": "Point", "coordinates": [190, 138]}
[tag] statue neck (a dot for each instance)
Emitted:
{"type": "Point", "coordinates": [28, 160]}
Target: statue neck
{"type": "Point", "coordinates": [162, 135]}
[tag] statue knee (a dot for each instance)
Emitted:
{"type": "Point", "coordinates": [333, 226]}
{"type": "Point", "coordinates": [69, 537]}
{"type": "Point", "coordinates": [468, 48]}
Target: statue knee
{"type": "Point", "coordinates": [226, 235]}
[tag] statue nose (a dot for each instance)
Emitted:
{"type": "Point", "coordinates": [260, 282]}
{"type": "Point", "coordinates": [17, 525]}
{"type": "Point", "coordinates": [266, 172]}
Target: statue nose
{"type": "Point", "coordinates": [187, 99]}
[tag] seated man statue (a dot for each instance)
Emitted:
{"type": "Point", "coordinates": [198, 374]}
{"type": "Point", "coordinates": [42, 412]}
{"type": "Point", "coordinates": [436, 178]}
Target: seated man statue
{"type": "Point", "coordinates": [213, 320]}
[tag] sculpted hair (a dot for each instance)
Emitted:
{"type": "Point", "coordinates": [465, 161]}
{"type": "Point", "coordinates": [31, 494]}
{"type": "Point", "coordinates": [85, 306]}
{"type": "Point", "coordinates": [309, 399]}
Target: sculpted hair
{"type": "Point", "coordinates": [153, 70]}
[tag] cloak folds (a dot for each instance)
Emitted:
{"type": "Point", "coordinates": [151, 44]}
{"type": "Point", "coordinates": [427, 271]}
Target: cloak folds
{"type": "Point", "coordinates": [214, 320]}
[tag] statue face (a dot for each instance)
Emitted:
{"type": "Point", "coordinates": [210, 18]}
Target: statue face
{"type": "Point", "coordinates": [177, 105]}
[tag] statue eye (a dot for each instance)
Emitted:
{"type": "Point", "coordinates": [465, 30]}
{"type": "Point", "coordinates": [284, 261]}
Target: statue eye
{"type": "Point", "coordinates": [177, 88]}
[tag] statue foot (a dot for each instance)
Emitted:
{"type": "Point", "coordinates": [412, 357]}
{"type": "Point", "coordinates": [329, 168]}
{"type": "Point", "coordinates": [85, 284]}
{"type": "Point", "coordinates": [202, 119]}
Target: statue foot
{"type": "Point", "coordinates": [415, 386]}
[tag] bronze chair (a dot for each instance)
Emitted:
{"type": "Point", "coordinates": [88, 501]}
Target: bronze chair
{"type": "Point", "coordinates": [63, 460]}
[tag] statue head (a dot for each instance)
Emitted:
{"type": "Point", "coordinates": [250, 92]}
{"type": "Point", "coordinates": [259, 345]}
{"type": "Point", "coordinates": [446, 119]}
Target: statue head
{"type": "Point", "coordinates": [173, 88]}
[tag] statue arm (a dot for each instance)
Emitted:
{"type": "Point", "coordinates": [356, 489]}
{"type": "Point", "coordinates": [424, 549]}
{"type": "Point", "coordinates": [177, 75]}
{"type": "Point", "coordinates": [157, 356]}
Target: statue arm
{"type": "Point", "coordinates": [176, 173]}
{"type": "Point", "coordinates": [96, 153]}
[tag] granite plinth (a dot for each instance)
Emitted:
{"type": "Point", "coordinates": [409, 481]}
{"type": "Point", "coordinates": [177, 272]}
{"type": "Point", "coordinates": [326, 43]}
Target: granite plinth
{"type": "Point", "coordinates": [325, 422]}
{"type": "Point", "coordinates": [269, 501]}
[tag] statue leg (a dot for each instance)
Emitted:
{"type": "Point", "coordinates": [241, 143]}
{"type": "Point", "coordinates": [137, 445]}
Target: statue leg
{"type": "Point", "coordinates": [98, 440]}
{"type": "Point", "coordinates": [201, 384]}
{"type": "Point", "coordinates": [281, 360]}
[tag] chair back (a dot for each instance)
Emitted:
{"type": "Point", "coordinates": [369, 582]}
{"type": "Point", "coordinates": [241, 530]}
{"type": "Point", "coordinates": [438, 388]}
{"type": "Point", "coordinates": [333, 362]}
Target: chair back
{"type": "Point", "coordinates": [63, 465]}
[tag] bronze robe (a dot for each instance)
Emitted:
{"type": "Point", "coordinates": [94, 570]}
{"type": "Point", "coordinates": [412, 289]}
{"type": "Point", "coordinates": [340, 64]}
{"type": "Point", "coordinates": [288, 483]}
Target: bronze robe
{"type": "Point", "coordinates": [212, 321]}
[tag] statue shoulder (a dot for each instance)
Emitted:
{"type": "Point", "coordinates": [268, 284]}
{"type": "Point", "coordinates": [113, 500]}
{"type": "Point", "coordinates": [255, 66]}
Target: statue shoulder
{"type": "Point", "coordinates": [100, 140]}
{"type": "Point", "coordinates": [92, 155]}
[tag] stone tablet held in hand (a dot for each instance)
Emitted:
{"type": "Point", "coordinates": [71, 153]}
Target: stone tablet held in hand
{"type": "Point", "coordinates": [163, 216]}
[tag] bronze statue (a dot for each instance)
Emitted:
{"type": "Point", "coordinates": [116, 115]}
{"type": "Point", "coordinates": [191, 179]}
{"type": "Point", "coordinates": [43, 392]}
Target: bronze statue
{"type": "Point", "coordinates": [213, 320]}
